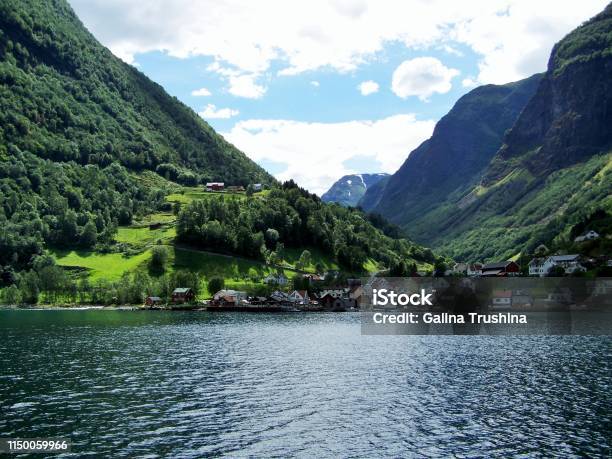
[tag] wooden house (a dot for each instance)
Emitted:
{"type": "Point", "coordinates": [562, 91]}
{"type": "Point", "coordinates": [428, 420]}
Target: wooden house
{"type": "Point", "coordinates": [182, 295]}
{"type": "Point", "coordinates": [501, 269]}
{"type": "Point", "coordinates": [153, 301]}
{"type": "Point", "coordinates": [215, 186]}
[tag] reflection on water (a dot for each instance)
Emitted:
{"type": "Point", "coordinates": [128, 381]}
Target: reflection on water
{"type": "Point", "coordinates": [132, 383]}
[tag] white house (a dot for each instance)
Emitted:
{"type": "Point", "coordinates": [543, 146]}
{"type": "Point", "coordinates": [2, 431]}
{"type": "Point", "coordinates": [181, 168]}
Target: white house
{"type": "Point", "coordinates": [542, 266]}
{"type": "Point", "coordinates": [257, 187]}
{"type": "Point", "coordinates": [536, 267]}
{"type": "Point", "coordinates": [570, 263]}
{"type": "Point", "coordinates": [588, 236]}
{"type": "Point", "coordinates": [277, 279]}
{"type": "Point", "coordinates": [460, 268]}
{"type": "Point", "coordinates": [299, 297]}
{"type": "Point", "coordinates": [237, 295]}
{"type": "Point", "coordinates": [474, 269]}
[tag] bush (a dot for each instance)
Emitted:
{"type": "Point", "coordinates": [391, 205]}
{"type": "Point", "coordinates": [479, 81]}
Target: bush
{"type": "Point", "coordinates": [215, 284]}
{"type": "Point", "coordinates": [159, 258]}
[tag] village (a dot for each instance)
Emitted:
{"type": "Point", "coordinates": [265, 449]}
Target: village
{"type": "Point", "coordinates": [541, 265]}
{"type": "Point", "coordinates": [336, 298]}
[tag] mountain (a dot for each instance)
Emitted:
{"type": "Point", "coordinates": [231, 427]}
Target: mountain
{"type": "Point", "coordinates": [351, 188]}
{"type": "Point", "coordinates": [553, 169]}
{"type": "Point", "coordinates": [78, 127]}
{"type": "Point", "coordinates": [92, 150]}
{"type": "Point", "coordinates": [461, 146]}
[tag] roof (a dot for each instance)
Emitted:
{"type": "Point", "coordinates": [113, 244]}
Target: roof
{"type": "Point", "coordinates": [154, 298]}
{"type": "Point", "coordinates": [562, 258]}
{"type": "Point", "coordinates": [502, 294]}
{"type": "Point", "coordinates": [537, 261]}
{"type": "Point", "coordinates": [215, 184]}
{"type": "Point", "coordinates": [181, 290]}
{"type": "Point", "coordinates": [497, 265]}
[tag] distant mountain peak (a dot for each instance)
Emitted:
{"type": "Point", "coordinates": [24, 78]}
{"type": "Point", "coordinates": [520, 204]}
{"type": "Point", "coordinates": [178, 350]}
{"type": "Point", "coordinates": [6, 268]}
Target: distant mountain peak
{"type": "Point", "coordinates": [349, 189]}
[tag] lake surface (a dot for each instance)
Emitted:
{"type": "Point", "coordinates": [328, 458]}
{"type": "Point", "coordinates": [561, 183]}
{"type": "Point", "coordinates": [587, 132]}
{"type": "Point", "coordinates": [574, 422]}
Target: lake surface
{"type": "Point", "coordinates": [169, 384]}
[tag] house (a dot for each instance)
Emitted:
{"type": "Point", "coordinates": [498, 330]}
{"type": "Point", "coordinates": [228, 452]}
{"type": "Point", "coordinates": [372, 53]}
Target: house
{"type": "Point", "coordinates": [299, 297]}
{"type": "Point", "coordinates": [569, 263]}
{"type": "Point", "coordinates": [501, 299]}
{"type": "Point", "coordinates": [215, 186]}
{"type": "Point", "coordinates": [338, 292]}
{"type": "Point", "coordinates": [474, 269]}
{"type": "Point", "coordinates": [182, 295]}
{"type": "Point", "coordinates": [334, 303]}
{"type": "Point", "coordinates": [312, 278]}
{"type": "Point", "coordinates": [235, 189]}
{"type": "Point", "coordinates": [536, 267]}
{"type": "Point", "coordinates": [587, 236]}
{"type": "Point", "coordinates": [499, 269]}
{"type": "Point", "coordinates": [153, 301]}
{"type": "Point", "coordinates": [225, 293]}
{"type": "Point", "coordinates": [356, 295]}
{"type": "Point", "coordinates": [460, 268]}
{"type": "Point", "coordinates": [276, 279]}
{"type": "Point", "coordinates": [278, 297]}
{"type": "Point", "coordinates": [257, 187]}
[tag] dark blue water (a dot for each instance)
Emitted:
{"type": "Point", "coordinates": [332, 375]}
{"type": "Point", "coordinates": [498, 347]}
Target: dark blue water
{"type": "Point", "coordinates": [155, 384]}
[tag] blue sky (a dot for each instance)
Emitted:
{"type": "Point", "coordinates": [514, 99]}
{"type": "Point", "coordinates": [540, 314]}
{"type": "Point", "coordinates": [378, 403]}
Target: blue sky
{"type": "Point", "coordinates": [281, 79]}
{"type": "Point", "coordinates": [334, 97]}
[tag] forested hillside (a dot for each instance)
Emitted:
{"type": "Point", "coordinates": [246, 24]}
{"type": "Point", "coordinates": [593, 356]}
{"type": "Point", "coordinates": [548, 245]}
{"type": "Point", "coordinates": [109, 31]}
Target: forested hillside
{"type": "Point", "coordinates": [289, 216]}
{"type": "Point", "coordinates": [553, 170]}
{"type": "Point", "coordinates": [77, 125]}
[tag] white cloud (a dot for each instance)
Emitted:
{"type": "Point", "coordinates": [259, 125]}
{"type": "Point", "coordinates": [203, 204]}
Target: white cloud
{"type": "Point", "coordinates": [202, 92]}
{"type": "Point", "coordinates": [516, 41]}
{"type": "Point", "coordinates": [469, 82]}
{"type": "Point", "coordinates": [315, 83]}
{"type": "Point", "coordinates": [512, 37]}
{"type": "Point", "coordinates": [422, 77]}
{"type": "Point", "coordinates": [245, 86]}
{"type": "Point", "coordinates": [368, 87]}
{"type": "Point", "coordinates": [315, 152]}
{"type": "Point", "coordinates": [211, 112]}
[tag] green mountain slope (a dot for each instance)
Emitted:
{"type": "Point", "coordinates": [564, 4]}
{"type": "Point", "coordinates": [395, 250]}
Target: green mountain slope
{"type": "Point", "coordinates": [349, 189]}
{"type": "Point", "coordinates": [461, 147]}
{"type": "Point", "coordinates": [67, 98]}
{"type": "Point", "coordinates": [89, 145]}
{"type": "Point", "coordinates": [554, 168]}
{"type": "Point", "coordinates": [77, 125]}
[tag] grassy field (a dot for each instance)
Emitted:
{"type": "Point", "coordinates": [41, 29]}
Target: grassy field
{"type": "Point", "coordinates": [140, 237]}
{"type": "Point", "coordinates": [108, 266]}
{"type": "Point", "coordinates": [292, 255]}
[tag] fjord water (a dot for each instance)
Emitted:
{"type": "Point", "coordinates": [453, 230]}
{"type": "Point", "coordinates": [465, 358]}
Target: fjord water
{"type": "Point", "coordinates": [149, 384]}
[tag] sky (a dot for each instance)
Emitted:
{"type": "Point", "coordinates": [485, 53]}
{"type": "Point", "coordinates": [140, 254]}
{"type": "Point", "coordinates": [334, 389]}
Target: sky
{"type": "Point", "coordinates": [314, 90]}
